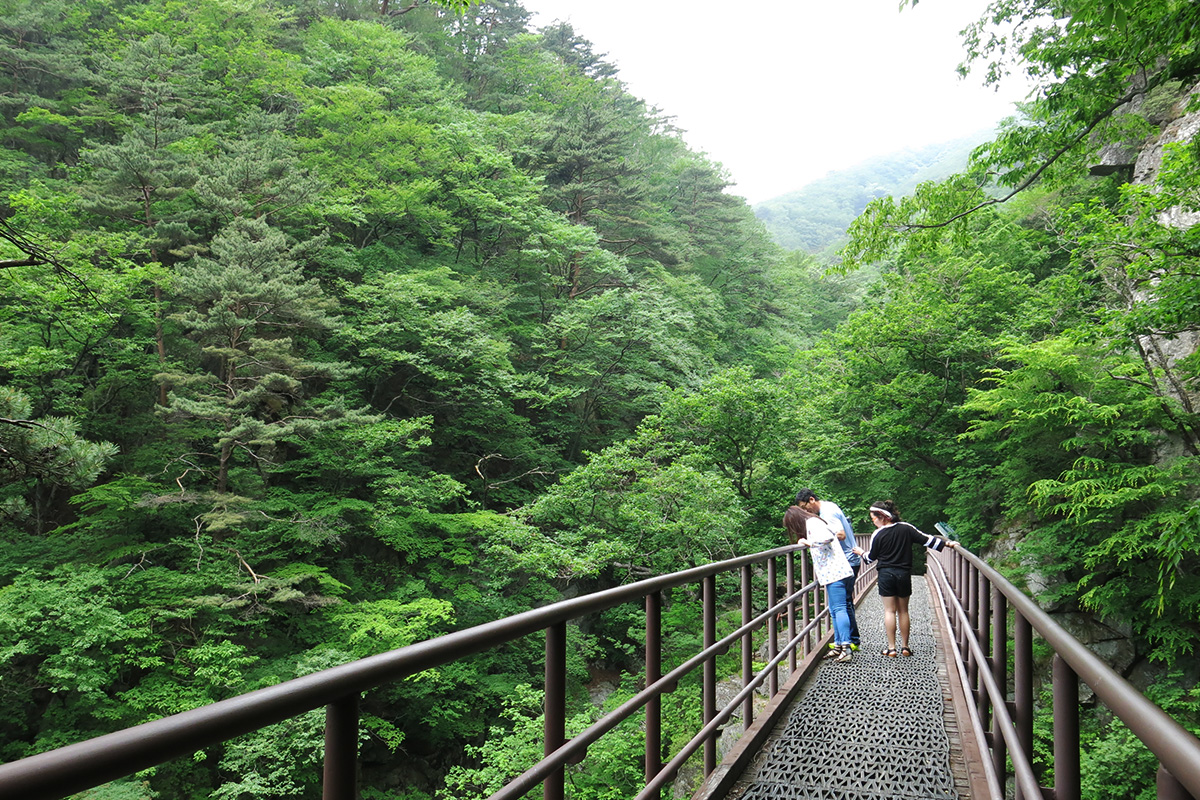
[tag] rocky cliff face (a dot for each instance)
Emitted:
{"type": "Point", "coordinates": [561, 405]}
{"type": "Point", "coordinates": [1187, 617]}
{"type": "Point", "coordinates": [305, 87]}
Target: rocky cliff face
{"type": "Point", "coordinates": [1165, 107]}
{"type": "Point", "coordinates": [1176, 125]}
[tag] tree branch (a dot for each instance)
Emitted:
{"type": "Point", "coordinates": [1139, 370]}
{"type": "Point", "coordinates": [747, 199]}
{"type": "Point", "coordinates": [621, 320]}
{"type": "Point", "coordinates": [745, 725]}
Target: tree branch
{"type": "Point", "coordinates": [21, 262]}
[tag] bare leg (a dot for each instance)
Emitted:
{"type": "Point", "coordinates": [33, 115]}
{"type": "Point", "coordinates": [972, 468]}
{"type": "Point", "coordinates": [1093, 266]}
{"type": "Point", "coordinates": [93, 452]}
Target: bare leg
{"type": "Point", "coordinates": [902, 615]}
{"type": "Point", "coordinates": [889, 620]}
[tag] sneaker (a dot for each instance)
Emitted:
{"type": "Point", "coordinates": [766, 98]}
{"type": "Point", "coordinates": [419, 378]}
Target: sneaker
{"type": "Point", "coordinates": [843, 656]}
{"type": "Point", "coordinates": [835, 650]}
{"type": "Point", "coordinates": [853, 646]}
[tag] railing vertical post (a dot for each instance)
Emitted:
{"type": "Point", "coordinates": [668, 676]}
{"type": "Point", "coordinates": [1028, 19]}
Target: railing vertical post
{"type": "Point", "coordinates": [964, 590]}
{"type": "Point", "coordinates": [772, 628]}
{"type": "Point", "coordinates": [1023, 685]}
{"type": "Point", "coordinates": [1000, 676]}
{"type": "Point", "coordinates": [818, 601]}
{"type": "Point", "coordinates": [1168, 787]}
{"type": "Point", "coordinates": [747, 646]}
{"type": "Point", "coordinates": [555, 705]}
{"type": "Point", "coordinates": [1066, 731]}
{"type": "Point", "coordinates": [956, 565]}
{"type": "Point", "coordinates": [709, 689]}
{"type": "Point", "coordinates": [341, 750]}
{"type": "Point", "coordinates": [962, 627]}
{"type": "Point", "coordinates": [971, 623]}
{"type": "Point", "coordinates": [805, 601]}
{"type": "Point", "coordinates": [982, 634]}
{"type": "Point", "coordinates": [791, 588]}
{"type": "Point", "coordinates": [653, 673]}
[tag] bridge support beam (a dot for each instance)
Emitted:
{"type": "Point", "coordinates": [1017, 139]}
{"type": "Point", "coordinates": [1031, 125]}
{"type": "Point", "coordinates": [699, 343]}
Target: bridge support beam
{"type": "Point", "coordinates": [790, 567]}
{"type": "Point", "coordinates": [999, 675]}
{"type": "Point", "coordinates": [747, 647]}
{"type": "Point", "coordinates": [772, 629]}
{"type": "Point", "coordinates": [709, 689]}
{"type": "Point", "coordinates": [983, 634]}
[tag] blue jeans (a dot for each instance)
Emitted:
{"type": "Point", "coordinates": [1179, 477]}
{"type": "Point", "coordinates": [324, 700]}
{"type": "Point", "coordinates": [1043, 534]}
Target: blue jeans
{"type": "Point", "coordinates": [854, 637]}
{"type": "Point", "coordinates": [835, 594]}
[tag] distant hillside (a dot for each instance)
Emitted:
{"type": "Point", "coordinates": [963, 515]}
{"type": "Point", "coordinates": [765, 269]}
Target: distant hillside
{"type": "Point", "coordinates": [816, 217]}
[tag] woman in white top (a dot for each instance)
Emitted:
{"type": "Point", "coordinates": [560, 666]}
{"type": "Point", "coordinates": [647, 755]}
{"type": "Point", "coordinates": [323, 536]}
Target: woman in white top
{"type": "Point", "coordinates": [831, 567]}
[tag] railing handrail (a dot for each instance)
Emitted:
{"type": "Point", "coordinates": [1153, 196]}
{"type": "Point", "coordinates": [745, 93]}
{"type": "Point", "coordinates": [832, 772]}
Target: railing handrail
{"type": "Point", "coordinates": [577, 746]}
{"type": "Point", "coordinates": [1022, 765]}
{"type": "Point", "coordinates": [72, 768]}
{"type": "Point", "coordinates": [1172, 744]}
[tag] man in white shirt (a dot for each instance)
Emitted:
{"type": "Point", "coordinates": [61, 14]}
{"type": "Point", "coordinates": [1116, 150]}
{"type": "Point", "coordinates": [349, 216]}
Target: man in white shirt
{"type": "Point", "coordinates": [836, 519]}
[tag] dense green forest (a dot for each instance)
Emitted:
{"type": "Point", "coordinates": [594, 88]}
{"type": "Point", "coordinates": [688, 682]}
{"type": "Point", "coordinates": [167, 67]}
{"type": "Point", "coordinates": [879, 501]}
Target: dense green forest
{"type": "Point", "coordinates": [328, 327]}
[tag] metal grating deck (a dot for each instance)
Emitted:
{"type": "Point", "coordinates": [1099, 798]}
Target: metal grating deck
{"type": "Point", "coordinates": [874, 728]}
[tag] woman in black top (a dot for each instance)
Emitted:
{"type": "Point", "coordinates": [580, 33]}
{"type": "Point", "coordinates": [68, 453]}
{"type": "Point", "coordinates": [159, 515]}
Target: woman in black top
{"type": "Point", "coordinates": [891, 546]}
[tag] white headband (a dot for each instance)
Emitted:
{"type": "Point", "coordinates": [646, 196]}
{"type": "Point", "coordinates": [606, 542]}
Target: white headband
{"type": "Point", "coordinates": [882, 511]}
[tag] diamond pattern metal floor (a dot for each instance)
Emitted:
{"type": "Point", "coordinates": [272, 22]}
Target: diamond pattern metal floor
{"type": "Point", "coordinates": [870, 729]}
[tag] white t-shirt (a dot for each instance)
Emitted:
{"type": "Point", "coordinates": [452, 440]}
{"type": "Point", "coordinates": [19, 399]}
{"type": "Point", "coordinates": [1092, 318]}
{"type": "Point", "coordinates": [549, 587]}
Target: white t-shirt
{"type": "Point", "coordinates": [829, 562]}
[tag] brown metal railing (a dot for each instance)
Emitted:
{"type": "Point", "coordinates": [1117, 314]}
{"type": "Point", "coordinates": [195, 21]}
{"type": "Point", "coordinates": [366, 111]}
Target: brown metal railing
{"type": "Point", "coordinates": [74, 768]}
{"type": "Point", "coordinates": [977, 601]}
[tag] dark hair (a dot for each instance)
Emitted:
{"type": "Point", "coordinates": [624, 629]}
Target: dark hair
{"type": "Point", "coordinates": [890, 507]}
{"type": "Point", "coordinates": [804, 495]}
{"type": "Point", "coordinates": [795, 520]}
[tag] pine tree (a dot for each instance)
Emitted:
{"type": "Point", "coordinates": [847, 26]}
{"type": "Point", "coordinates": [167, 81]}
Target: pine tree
{"type": "Point", "coordinates": [38, 456]}
{"type": "Point", "coordinates": [140, 178]}
{"type": "Point", "coordinates": [250, 306]}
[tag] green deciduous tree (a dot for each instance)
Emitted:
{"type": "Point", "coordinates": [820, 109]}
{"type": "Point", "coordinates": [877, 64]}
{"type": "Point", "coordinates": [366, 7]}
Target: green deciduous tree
{"type": "Point", "coordinates": [736, 420]}
{"type": "Point", "coordinates": [432, 353]}
{"type": "Point", "coordinates": [643, 506]}
{"type": "Point", "coordinates": [606, 356]}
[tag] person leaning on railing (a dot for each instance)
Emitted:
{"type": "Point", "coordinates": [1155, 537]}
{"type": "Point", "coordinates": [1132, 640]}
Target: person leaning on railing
{"type": "Point", "coordinates": [837, 520]}
{"type": "Point", "coordinates": [831, 567]}
{"type": "Point", "coordinates": [891, 546]}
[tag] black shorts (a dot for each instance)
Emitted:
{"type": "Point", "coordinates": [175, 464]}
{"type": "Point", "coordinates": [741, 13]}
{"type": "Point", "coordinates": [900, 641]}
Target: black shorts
{"type": "Point", "coordinates": [895, 582]}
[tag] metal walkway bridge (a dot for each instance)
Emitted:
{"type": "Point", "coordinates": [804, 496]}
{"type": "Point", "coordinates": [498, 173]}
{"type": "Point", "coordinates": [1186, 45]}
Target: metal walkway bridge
{"type": "Point", "coordinates": [880, 727]}
{"type": "Point", "coordinates": [953, 721]}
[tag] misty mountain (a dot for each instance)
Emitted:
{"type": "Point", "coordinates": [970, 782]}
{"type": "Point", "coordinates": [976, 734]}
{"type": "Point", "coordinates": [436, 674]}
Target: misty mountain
{"type": "Point", "coordinates": [815, 217]}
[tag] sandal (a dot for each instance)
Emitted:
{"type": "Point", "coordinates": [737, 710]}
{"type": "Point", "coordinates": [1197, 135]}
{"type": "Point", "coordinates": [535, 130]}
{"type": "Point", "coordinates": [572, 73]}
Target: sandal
{"type": "Point", "coordinates": [904, 651]}
{"type": "Point", "coordinates": [888, 652]}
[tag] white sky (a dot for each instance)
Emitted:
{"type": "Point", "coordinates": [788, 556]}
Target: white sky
{"type": "Point", "coordinates": [782, 91]}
